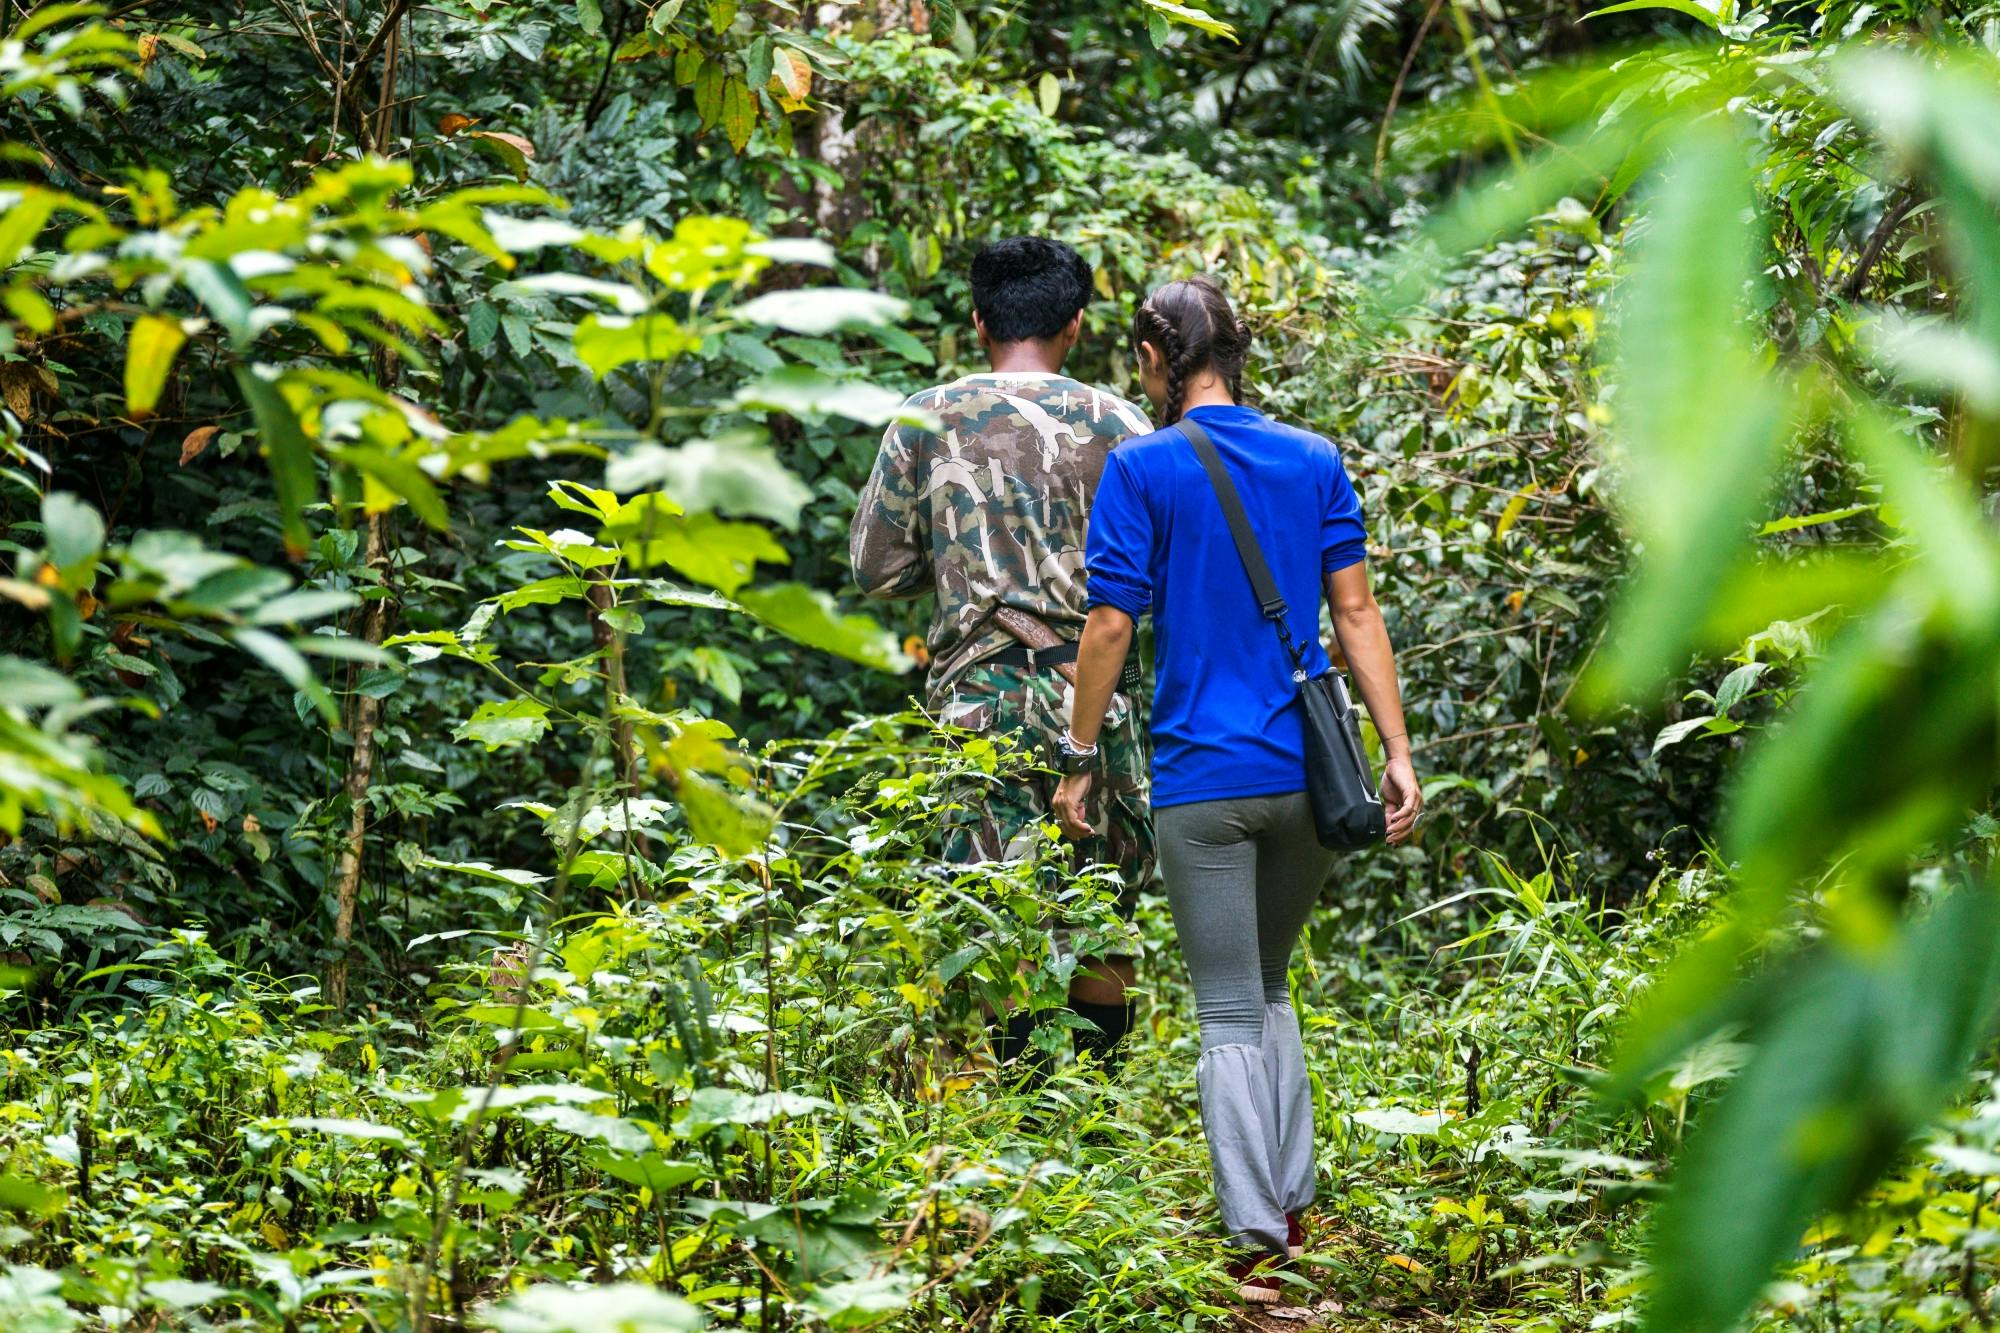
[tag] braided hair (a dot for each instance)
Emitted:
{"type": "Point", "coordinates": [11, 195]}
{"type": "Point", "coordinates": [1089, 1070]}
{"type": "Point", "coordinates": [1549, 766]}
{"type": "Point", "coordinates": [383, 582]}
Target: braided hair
{"type": "Point", "coordinates": [1193, 325]}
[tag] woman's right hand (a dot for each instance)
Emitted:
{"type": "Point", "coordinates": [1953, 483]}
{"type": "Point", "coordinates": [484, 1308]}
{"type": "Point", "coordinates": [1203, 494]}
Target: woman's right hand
{"type": "Point", "coordinates": [1402, 798]}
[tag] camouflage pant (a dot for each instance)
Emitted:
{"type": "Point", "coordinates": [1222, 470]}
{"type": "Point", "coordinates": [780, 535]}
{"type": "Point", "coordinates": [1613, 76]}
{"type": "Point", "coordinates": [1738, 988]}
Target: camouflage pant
{"type": "Point", "coordinates": [1003, 823]}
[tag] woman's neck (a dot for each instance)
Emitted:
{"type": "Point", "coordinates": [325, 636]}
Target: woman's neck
{"type": "Point", "coordinates": [1207, 389]}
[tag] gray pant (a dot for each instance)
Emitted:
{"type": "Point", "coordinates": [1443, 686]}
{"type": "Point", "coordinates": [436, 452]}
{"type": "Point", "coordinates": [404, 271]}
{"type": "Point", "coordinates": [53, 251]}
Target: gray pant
{"type": "Point", "coordinates": [1242, 876]}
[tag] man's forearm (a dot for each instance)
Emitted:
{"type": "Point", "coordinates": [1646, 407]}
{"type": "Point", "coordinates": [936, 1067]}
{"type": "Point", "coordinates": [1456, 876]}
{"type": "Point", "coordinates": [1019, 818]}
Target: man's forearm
{"type": "Point", "coordinates": [1100, 658]}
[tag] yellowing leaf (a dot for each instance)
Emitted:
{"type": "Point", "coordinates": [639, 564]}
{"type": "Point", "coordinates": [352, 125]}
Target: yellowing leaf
{"type": "Point", "coordinates": [514, 152]}
{"type": "Point", "coordinates": [708, 84]}
{"type": "Point", "coordinates": [792, 75]}
{"type": "Point", "coordinates": [149, 354]}
{"type": "Point", "coordinates": [739, 113]}
{"type": "Point", "coordinates": [1512, 513]}
{"type": "Point", "coordinates": [1049, 94]}
{"type": "Point", "coordinates": [452, 122]}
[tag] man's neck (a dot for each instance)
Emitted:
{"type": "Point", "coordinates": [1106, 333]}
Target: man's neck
{"type": "Point", "coordinates": [1026, 355]}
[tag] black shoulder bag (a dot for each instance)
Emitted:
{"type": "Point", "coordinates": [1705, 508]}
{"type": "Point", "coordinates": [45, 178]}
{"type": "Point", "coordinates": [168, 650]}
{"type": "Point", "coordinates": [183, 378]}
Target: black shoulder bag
{"type": "Point", "coordinates": [1347, 811]}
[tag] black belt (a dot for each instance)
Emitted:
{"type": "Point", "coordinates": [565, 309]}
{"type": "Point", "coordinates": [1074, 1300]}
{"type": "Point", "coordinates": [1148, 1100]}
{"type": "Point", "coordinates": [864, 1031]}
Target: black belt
{"type": "Point", "coordinates": [1062, 654]}
{"type": "Point", "coordinates": [1021, 655]}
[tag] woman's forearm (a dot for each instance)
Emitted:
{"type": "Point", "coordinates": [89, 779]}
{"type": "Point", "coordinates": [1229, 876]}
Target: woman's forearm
{"type": "Point", "coordinates": [1100, 658]}
{"type": "Point", "coordinates": [1364, 641]}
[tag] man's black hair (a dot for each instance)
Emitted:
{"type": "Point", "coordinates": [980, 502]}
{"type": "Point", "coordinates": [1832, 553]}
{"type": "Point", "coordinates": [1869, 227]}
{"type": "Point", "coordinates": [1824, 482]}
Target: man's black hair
{"type": "Point", "coordinates": [1028, 287]}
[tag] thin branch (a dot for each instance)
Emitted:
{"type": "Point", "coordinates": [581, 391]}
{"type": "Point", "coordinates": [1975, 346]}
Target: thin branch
{"type": "Point", "coordinates": [1878, 241]}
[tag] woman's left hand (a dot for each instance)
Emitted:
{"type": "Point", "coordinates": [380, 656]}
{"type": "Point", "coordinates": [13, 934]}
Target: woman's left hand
{"type": "Point", "coordinates": [1402, 796]}
{"type": "Point", "coordinates": [1072, 805]}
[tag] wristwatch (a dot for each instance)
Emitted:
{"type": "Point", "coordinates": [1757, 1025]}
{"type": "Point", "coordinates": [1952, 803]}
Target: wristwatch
{"type": "Point", "coordinates": [1071, 758]}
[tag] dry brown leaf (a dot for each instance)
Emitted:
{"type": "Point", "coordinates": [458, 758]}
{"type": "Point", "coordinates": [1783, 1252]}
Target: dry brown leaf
{"type": "Point", "coordinates": [207, 820]}
{"type": "Point", "coordinates": [18, 382]}
{"type": "Point", "coordinates": [453, 122]}
{"type": "Point", "coordinates": [197, 440]}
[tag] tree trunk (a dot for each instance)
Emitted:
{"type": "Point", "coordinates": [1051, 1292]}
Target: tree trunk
{"type": "Point", "coordinates": [366, 716]}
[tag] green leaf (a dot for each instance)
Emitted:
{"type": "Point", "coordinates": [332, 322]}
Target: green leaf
{"type": "Point", "coordinates": [735, 474]}
{"type": "Point", "coordinates": [813, 618]}
{"type": "Point", "coordinates": [502, 725]}
{"type": "Point", "coordinates": [709, 81]}
{"type": "Point", "coordinates": [703, 547]}
{"type": "Point", "coordinates": [73, 532]}
{"type": "Point", "coordinates": [732, 823]}
{"type": "Point", "coordinates": [366, 1130]}
{"type": "Point", "coordinates": [590, 17]}
{"type": "Point", "coordinates": [864, 1302]}
{"type": "Point", "coordinates": [1701, 420]}
{"type": "Point", "coordinates": [18, 1194]}
{"type": "Point", "coordinates": [1853, 1054]}
{"type": "Point", "coordinates": [287, 451]}
{"type": "Point", "coordinates": [23, 221]}
{"type": "Point", "coordinates": [291, 665]}
{"type": "Point", "coordinates": [1048, 94]}
{"type": "Point", "coordinates": [1687, 7]}
{"type": "Point", "coordinates": [802, 391]}
{"type": "Point", "coordinates": [305, 604]}
{"type": "Point", "coordinates": [1797, 521]}
{"type": "Point", "coordinates": [150, 350]}
{"type": "Point", "coordinates": [1192, 18]}
{"type": "Point", "coordinates": [400, 477]}
{"type": "Point", "coordinates": [224, 296]}
{"type": "Point", "coordinates": [606, 342]}
{"type": "Point", "coordinates": [647, 1170]}
{"type": "Point", "coordinates": [739, 113]}
{"type": "Point", "coordinates": [482, 323]}
{"type": "Point", "coordinates": [816, 311]}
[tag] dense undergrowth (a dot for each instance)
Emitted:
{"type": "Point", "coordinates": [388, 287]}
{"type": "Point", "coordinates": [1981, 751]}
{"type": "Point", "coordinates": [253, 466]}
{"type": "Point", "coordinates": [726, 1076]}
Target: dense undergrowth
{"type": "Point", "coordinates": [424, 494]}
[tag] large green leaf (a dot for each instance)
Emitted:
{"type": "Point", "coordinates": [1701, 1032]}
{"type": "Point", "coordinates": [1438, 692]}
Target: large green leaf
{"type": "Point", "coordinates": [802, 391]}
{"type": "Point", "coordinates": [816, 620]}
{"type": "Point", "coordinates": [1854, 1051]}
{"type": "Point", "coordinates": [288, 452]}
{"type": "Point", "coordinates": [1700, 417]}
{"type": "Point", "coordinates": [73, 531]}
{"type": "Point", "coordinates": [400, 477]}
{"type": "Point", "coordinates": [606, 342]}
{"type": "Point", "coordinates": [150, 350]}
{"type": "Point", "coordinates": [817, 311]}
{"type": "Point", "coordinates": [733, 823]}
{"type": "Point", "coordinates": [504, 724]}
{"type": "Point", "coordinates": [736, 473]}
{"type": "Point", "coordinates": [703, 547]}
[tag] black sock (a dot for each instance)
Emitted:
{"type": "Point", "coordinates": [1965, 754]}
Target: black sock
{"type": "Point", "coordinates": [1113, 1022]}
{"type": "Point", "coordinates": [1014, 1049]}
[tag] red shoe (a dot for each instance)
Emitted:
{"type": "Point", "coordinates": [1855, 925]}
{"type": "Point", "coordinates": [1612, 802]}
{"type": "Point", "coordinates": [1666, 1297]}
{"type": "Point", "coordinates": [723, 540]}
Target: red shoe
{"type": "Point", "coordinates": [1295, 1236]}
{"type": "Point", "coordinates": [1256, 1284]}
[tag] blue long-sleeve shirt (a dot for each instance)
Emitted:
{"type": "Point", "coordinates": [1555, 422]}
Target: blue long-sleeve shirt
{"type": "Point", "coordinates": [1227, 721]}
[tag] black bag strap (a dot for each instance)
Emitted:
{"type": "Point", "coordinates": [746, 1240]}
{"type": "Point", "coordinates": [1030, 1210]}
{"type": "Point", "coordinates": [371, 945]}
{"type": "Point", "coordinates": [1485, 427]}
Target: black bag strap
{"type": "Point", "coordinates": [1269, 599]}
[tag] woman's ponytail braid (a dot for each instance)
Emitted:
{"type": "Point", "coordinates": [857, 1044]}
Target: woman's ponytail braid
{"type": "Point", "coordinates": [1192, 325]}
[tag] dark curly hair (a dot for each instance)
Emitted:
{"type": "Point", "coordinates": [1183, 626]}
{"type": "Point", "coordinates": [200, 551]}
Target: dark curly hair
{"type": "Point", "coordinates": [1194, 326]}
{"type": "Point", "coordinates": [1028, 287]}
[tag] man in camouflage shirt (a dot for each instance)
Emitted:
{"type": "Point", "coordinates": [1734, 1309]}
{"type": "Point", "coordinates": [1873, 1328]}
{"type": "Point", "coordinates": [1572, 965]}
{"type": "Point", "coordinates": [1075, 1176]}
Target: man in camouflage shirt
{"type": "Point", "coordinates": [988, 513]}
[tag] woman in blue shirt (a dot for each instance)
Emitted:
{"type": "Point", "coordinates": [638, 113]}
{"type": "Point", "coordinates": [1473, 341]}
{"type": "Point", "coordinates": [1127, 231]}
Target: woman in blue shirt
{"type": "Point", "coordinates": [1238, 851]}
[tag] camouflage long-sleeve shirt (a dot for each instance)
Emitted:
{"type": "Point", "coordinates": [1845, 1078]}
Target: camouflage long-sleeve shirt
{"type": "Point", "coordinates": [989, 509]}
